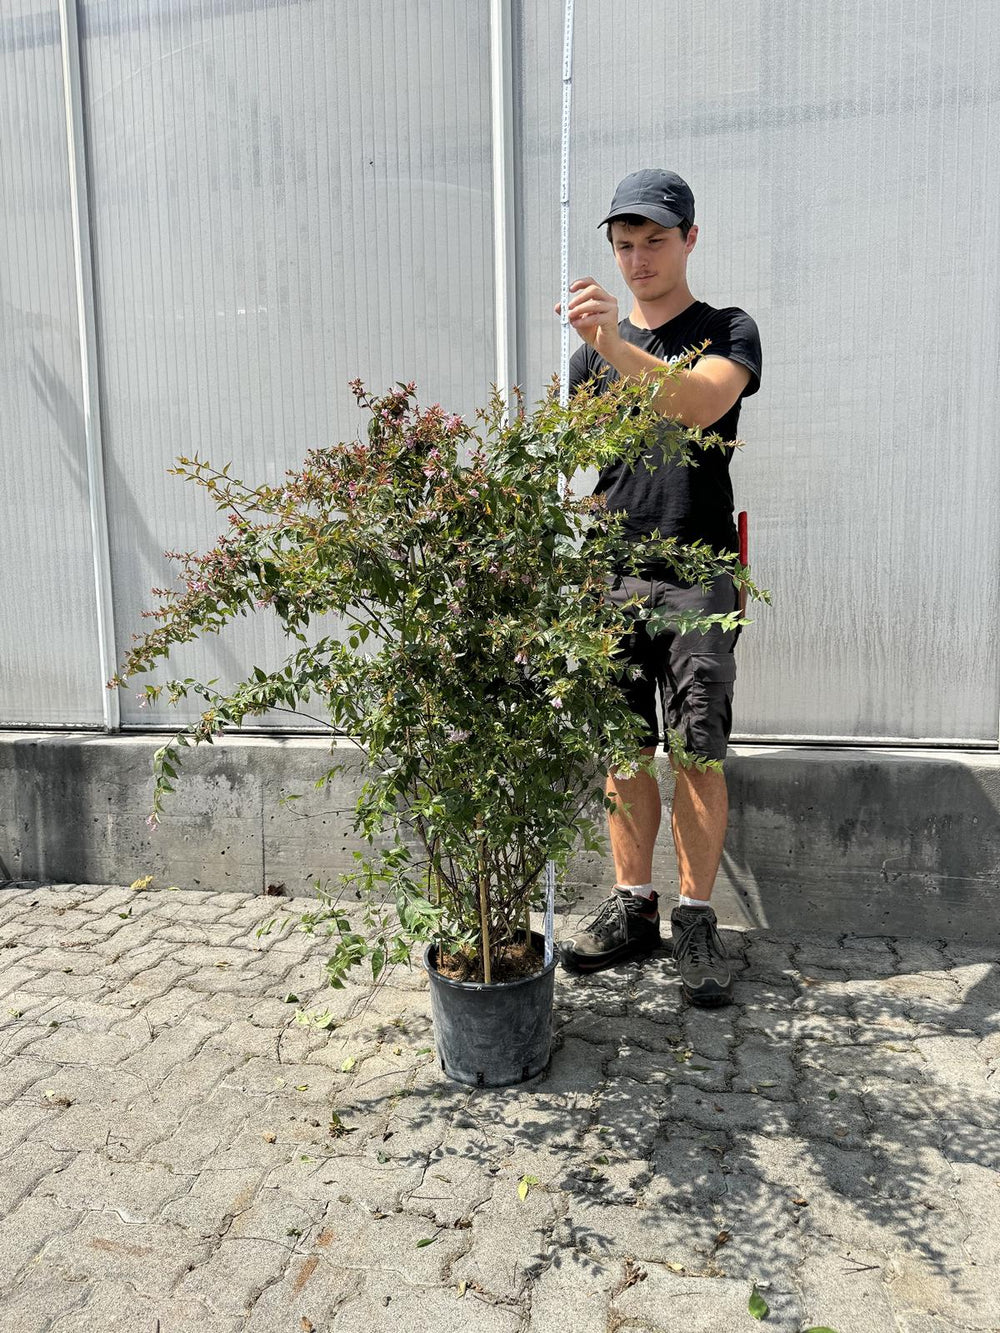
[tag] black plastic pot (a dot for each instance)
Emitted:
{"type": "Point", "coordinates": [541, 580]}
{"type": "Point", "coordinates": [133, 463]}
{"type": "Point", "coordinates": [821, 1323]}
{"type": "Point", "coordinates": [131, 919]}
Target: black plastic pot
{"type": "Point", "coordinates": [491, 1036]}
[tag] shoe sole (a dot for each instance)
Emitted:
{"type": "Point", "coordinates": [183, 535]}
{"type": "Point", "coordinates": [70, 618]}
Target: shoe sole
{"type": "Point", "coordinates": [572, 963]}
{"type": "Point", "coordinates": [707, 999]}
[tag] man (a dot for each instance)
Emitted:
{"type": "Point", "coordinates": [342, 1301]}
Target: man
{"type": "Point", "coordinates": [652, 232]}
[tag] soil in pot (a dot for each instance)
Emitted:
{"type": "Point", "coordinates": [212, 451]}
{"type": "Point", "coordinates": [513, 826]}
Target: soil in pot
{"type": "Point", "coordinates": [514, 962]}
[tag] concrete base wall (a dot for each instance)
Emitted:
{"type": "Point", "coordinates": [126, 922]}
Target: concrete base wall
{"type": "Point", "coordinates": [899, 842]}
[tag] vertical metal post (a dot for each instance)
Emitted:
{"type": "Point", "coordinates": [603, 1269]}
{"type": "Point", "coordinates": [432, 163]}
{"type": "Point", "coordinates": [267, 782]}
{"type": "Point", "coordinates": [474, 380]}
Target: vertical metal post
{"type": "Point", "coordinates": [504, 271]}
{"type": "Point", "coordinates": [85, 297]}
{"type": "Point", "coordinates": [564, 205]}
{"type": "Point", "coordinates": [567, 77]}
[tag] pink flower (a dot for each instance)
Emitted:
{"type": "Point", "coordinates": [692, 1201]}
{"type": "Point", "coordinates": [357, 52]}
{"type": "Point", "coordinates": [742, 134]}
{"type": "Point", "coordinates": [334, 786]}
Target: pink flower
{"type": "Point", "coordinates": [557, 702]}
{"type": "Point", "coordinates": [152, 821]}
{"type": "Point", "coordinates": [455, 735]}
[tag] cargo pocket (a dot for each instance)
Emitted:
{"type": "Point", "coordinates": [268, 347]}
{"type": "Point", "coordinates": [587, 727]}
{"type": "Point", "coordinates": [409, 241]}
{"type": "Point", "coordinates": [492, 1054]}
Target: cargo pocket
{"type": "Point", "coordinates": [709, 705]}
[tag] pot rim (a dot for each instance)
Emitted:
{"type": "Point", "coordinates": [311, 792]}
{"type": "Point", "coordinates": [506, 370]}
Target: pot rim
{"type": "Point", "coordinates": [493, 985]}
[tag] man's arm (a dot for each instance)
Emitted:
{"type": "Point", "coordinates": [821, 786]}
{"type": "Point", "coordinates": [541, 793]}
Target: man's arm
{"type": "Point", "coordinates": [698, 396]}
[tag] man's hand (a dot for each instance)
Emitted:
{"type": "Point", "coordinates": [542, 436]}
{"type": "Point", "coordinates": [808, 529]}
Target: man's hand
{"type": "Point", "coordinates": [593, 313]}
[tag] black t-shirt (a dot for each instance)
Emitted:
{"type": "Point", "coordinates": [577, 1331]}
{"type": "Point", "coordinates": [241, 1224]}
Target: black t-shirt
{"type": "Point", "coordinates": [693, 502]}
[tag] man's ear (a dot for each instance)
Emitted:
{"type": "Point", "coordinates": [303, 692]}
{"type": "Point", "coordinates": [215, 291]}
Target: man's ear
{"type": "Point", "coordinates": [692, 236]}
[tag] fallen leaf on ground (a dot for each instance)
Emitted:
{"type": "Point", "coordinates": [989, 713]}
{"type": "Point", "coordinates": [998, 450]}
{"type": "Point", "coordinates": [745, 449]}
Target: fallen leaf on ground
{"type": "Point", "coordinates": [757, 1305]}
{"type": "Point", "coordinates": [525, 1185]}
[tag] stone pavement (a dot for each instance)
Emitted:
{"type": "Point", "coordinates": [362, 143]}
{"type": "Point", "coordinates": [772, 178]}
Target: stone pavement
{"type": "Point", "coordinates": [181, 1155]}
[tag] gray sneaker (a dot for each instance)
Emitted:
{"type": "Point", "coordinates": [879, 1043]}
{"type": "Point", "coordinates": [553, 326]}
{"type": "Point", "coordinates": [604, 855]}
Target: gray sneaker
{"type": "Point", "coordinates": [700, 956]}
{"type": "Point", "coordinates": [619, 930]}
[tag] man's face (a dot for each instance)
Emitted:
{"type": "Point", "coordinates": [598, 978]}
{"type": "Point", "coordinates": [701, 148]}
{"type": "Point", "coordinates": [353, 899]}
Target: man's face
{"type": "Point", "coordinates": [652, 259]}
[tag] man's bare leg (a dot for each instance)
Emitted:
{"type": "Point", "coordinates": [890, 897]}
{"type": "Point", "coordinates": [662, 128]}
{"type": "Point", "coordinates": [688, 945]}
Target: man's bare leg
{"type": "Point", "coordinates": [700, 816]}
{"type": "Point", "coordinates": [634, 825]}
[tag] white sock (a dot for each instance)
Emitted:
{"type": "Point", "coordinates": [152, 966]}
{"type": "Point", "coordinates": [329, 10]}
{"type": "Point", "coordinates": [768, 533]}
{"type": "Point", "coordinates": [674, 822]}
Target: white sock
{"type": "Point", "coordinates": [685, 901]}
{"type": "Point", "coordinates": [637, 890]}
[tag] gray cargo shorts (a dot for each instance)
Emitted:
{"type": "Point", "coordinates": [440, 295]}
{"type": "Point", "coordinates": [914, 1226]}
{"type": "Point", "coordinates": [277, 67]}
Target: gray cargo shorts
{"type": "Point", "coordinates": [693, 673]}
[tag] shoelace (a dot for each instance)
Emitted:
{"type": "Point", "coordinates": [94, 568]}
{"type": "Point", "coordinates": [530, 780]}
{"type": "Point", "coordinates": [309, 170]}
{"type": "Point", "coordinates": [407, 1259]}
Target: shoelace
{"type": "Point", "coordinates": [697, 940]}
{"type": "Point", "coordinates": [612, 910]}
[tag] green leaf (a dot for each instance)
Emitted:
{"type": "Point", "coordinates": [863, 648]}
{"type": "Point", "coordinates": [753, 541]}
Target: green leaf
{"type": "Point", "coordinates": [525, 1185]}
{"type": "Point", "coordinates": [427, 1240]}
{"type": "Point", "coordinates": [291, 998]}
{"type": "Point", "coordinates": [348, 1064]}
{"type": "Point", "coordinates": [819, 1329]}
{"type": "Point", "coordinates": [757, 1306]}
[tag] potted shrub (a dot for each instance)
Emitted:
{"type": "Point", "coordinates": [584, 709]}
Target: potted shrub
{"type": "Point", "coordinates": [477, 673]}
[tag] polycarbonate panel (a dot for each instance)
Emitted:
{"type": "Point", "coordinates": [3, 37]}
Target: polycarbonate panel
{"type": "Point", "coordinates": [285, 196]}
{"type": "Point", "coordinates": [843, 162]}
{"type": "Point", "coordinates": [50, 670]}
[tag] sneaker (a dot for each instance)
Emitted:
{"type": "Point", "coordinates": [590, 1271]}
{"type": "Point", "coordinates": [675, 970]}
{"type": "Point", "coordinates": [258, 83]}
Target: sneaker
{"type": "Point", "coordinates": [700, 956]}
{"type": "Point", "coordinates": [623, 927]}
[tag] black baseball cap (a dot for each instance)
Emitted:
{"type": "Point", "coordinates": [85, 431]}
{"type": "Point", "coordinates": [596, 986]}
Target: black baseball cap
{"type": "Point", "coordinates": [658, 195]}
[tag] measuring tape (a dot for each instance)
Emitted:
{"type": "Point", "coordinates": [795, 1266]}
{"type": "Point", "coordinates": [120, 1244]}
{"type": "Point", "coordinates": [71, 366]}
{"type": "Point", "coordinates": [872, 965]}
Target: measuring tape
{"type": "Point", "coordinates": [550, 870]}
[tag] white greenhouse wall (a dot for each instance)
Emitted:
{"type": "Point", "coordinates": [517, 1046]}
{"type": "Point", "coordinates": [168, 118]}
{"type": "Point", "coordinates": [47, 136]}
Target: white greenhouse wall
{"type": "Point", "coordinates": [285, 194]}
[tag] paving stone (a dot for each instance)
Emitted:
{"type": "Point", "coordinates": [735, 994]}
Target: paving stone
{"type": "Point", "coordinates": [509, 1243]}
{"type": "Point", "coordinates": [374, 1185]}
{"type": "Point", "coordinates": [657, 1233]}
{"type": "Point", "coordinates": [576, 1067]}
{"type": "Point", "coordinates": [232, 1276]}
{"type": "Point", "coordinates": [762, 1067]}
{"type": "Point", "coordinates": [150, 981]}
{"type": "Point", "coordinates": [24, 1165]}
{"type": "Point", "coordinates": [735, 1110]}
{"type": "Point", "coordinates": [385, 1308]}
{"type": "Point", "coordinates": [843, 1286]}
{"type": "Point", "coordinates": [37, 1299]}
{"type": "Point", "coordinates": [308, 1294]}
{"type": "Point", "coordinates": [14, 979]}
{"type": "Point", "coordinates": [666, 1300]}
{"type": "Point", "coordinates": [70, 1045]}
{"type": "Point", "coordinates": [26, 1230]}
{"type": "Point", "coordinates": [213, 1198]}
{"type": "Point", "coordinates": [573, 1293]}
{"type": "Point", "coordinates": [199, 1132]}
{"type": "Point", "coordinates": [116, 1307]}
{"type": "Point", "coordinates": [686, 1168]}
{"type": "Point", "coordinates": [136, 1191]}
{"type": "Point", "coordinates": [456, 1181]}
